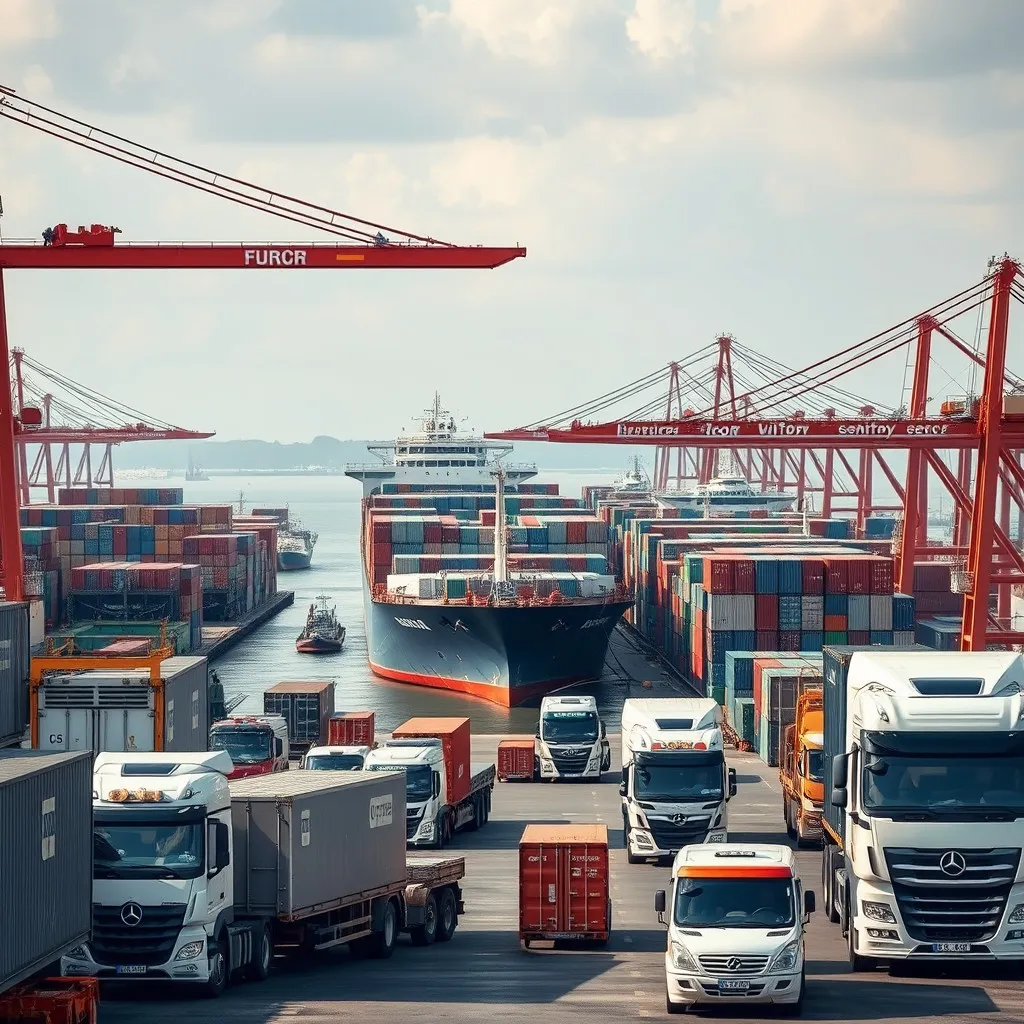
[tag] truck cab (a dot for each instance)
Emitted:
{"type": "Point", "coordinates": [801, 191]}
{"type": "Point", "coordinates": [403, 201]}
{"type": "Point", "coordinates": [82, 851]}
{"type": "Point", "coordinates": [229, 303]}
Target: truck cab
{"type": "Point", "coordinates": [736, 916]}
{"type": "Point", "coordinates": [572, 741]}
{"type": "Point", "coordinates": [801, 770]}
{"type": "Point", "coordinates": [675, 784]}
{"type": "Point", "coordinates": [258, 744]}
{"type": "Point", "coordinates": [335, 759]}
{"type": "Point", "coordinates": [422, 760]}
{"type": "Point", "coordinates": [162, 890]}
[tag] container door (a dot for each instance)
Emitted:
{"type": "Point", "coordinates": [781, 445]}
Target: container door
{"type": "Point", "coordinates": [67, 729]}
{"type": "Point", "coordinates": [124, 729]}
{"type": "Point", "coordinates": [585, 869]}
{"type": "Point", "coordinates": [541, 888]}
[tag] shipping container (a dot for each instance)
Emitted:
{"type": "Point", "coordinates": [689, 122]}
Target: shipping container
{"type": "Point", "coordinates": [14, 670]}
{"type": "Point", "coordinates": [351, 729]}
{"type": "Point", "coordinates": [46, 858]}
{"type": "Point", "coordinates": [307, 841]}
{"type": "Point", "coordinates": [516, 759]}
{"type": "Point", "coordinates": [563, 883]}
{"type": "Point", "coordinates": [306, 707]}
{"type": "Point", "coordinates": [454, 734]}
{"type": "Point", "coordinates": [111, 710]}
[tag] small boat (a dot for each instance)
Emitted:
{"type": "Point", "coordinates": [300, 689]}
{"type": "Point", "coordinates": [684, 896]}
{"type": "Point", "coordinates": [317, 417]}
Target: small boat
{"type": "Point", "coordinates": [322, 634]}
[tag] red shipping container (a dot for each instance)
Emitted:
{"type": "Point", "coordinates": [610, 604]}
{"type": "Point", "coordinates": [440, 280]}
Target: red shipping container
{"type": "Point", "coordinates": [835, 623]}
{"type": "Point", "coordinates": [743, 576]}
{"type": "Point", "coordinates": [516, 758]}
{"type": "Point", "coordinates": [858, 575]}
{"type": "Point", "coordinates": [766, 612]}
{"type": "Point", "coordinates": [836, 579]}
{"type": "Point", "coordinates": [858, 637]}
{"type": "Point", "coordinates": [767, 640]}
{"type": "Point", "coordinates": [563, 883]}
{"type": "Point", "coordinates": [455, 741]}
{"type": "Point", "coordinates": [813, 572]}
{"type": "Point", "coordinates": [719, 576]}
{"type": "Point", "coordinates": [351, 729]}
{"type": "Point", "coordinates": [882, 576]}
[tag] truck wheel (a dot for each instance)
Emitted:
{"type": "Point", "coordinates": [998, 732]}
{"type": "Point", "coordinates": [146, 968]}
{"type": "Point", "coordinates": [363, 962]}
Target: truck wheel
{"type": "Point", "coordinates": [425, 934]}
{"type": "Point", "coordinates": [787, 813]}
{"type": "Point", "coordinates": [218, 980]}
{"type": "Point", "coordinates": [830, 866]}
{"type": "Point", "coordinates": [671, 1007]}
{"type": "Point", "coordinates": [447, 917]}
{"type": "Point", "coordinates": [263, 955]}
{"type": "Point", "coordinates": [383, 942]}
{"type": "Point", "coordinates": [478, 814]}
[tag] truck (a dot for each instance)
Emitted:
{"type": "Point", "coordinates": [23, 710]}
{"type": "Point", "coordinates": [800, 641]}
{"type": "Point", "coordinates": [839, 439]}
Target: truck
{"type": "Point", "coordinates": [445, 793]}
{"type": "Point", "coordinates": [675, 786]}
{"type": "Point", "coordinates": [924, 776]}
{"type": "Point", "coordinates": [200, 881]}
{"type": "Point", "coordinates": [258, 744]}
{"type": "Point", "coordinates": [335, 758]}
{"type": "Point", "coordinates": [800, 768]}
{"type": "Point", "coordinates": [736, 928]}
{"type": "Point", "coordinates": [307, 707]}
{"type": "Point", "coordinates": [572, 740]}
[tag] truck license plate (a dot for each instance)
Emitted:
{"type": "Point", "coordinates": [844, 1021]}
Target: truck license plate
{"type": "Point", "coordinates": [732, 985]}
{"type": "Point", "coordinates": [951, 947]}
{"type": "Point", "coordinates": [132, 969]}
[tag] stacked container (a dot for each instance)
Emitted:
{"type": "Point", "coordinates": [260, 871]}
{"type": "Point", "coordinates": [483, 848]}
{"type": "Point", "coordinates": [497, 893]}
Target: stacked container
{"type": "Point", "coordinates": [306, 707]}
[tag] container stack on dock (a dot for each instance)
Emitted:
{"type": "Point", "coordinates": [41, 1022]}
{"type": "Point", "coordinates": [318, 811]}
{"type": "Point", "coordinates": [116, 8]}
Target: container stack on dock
{"type": "Point", "coordinates": [136, 555]}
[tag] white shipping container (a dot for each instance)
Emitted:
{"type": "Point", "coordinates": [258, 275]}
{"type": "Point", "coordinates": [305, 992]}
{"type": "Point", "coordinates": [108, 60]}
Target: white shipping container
{"type": "Point", "coordinates": [743, 612]}
{"type": "Point", "coordinates": [881, 612]}
{"type": "Point", "coordinates": [720, 612]}
{"type": "Point", "coordinates": [903, 638]}
{"type": "Point", "coordinates": [812, 613]}
{"type": "Point", "coordinates": [858, 613]}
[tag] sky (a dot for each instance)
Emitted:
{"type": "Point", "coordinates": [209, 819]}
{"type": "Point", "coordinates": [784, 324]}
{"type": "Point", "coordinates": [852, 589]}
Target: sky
{"type": "Point", "coordinates": [798, 174]}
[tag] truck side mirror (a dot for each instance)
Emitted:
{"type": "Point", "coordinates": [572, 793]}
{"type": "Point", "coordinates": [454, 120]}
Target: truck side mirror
{"type": "Point", "coordinates": [436, 784]}
{"type": "Point", "coordinates": [840, 771]}
{"type": "Point", "coordinates": [839, 796]}
{"type": "Point", "coordinates": [604, 731]}
{"type": "Point", "coordinates": [732, 783]}
{"type": "Point", "coordinates": [659, 905]}
{"type": "Point", "coordinates": [808, 902]}
{"type": "Point", "coordinates": [278, 746]}
{"type": "Point", "coordinates": [220, 847]}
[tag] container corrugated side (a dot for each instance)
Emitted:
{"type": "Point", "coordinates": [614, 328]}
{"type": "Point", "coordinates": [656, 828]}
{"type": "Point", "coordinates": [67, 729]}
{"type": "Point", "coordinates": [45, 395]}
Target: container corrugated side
{"type": "Point", "coordinates": [305, 843]}
{"type": "Point", "coordinates": [186, 703]}
{"type": "Point", "coordinates": [14, 670]}
{"type": "Point", "coordinates": [45, 859]}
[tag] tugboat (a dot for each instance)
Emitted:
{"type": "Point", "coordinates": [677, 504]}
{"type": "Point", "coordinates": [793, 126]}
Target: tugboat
{"type": "Point", "coordinates": [322, 634]}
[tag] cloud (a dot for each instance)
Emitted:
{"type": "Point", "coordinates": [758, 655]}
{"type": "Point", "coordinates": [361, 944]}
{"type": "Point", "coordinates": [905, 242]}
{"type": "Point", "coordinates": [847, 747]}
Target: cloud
{"type": "Point", "coordinates": [662, 29]}
{"type": "Point", "coordinates": [26, 21]}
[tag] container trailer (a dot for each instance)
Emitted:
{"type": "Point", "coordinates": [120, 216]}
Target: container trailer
{"type": "Point", "coordinates": [572, 740]}
{"type": "Point", "coordinates": [800, 767]}
{"type": "Point", "coordinates": [445, 793]}
{"type": "Point", "coordinates": [306, 707]}
{"type": "Point", "coordinates": [199, 881]}
{"type": "Point", "coordinates": [258, 744]}
{"type": "Point", "coordinates": [675, 784]}
{"type": "Point", "coordinates": [45, 859]}
{"type": "Point", "coordinates": [107, 709]}
{"type": "Point", "coordinates": [564, 888]}
{"type": "Point", "coordinates": [924, 766]}
{"type": "Point", "coordinates": [517, 759]}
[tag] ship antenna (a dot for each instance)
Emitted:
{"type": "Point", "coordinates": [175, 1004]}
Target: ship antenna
{"type": "Point", "coordinates": [500, 551]}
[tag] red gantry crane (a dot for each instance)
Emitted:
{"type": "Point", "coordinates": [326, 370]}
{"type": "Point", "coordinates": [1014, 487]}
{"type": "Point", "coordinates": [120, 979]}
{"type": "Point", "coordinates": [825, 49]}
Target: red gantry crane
{"type": "Point", "coordinates": [364, 245]}
{"type": "Point", "coordinates": [971, 446]}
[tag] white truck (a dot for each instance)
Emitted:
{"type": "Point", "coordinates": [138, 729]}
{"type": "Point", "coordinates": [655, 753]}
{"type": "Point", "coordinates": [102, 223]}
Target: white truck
{"type": "Point", "coordinates": [335, 759]}
{"type": "Point", "coordinates": [675, 784]}
{"type": "Point", "coordinates": [439, 800]}
{"type": "Point", "coordinates": [736, 927]}
{"type": "Point", "coordinates": [924, 804]}
{"type": "Point", "coordinates": [572, 741]}
{"type": "Point", "coordinates": [198, 880]}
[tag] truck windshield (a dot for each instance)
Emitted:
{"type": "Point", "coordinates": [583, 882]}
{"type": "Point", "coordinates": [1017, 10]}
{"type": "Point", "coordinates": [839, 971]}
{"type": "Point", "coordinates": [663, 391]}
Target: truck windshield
{"type": "Point", "coordinates": [569, 727]}
{"type": "Point", "coordinates": [147, 850]}
{"type": "Point", "coordinates": [815, 766]}
{"type": "Point", "coordinates": [418, 783]}
{"type": "Point", "coordinates": [678, 782]}
{"type": "Point", "coordinates": [246, 746]}
{"type": "Point", "coordinates": [335, 762]}
{"type": "Point", "coordinates": [734, 903]}
{"type": "Point", "coordinates": [943, 786]}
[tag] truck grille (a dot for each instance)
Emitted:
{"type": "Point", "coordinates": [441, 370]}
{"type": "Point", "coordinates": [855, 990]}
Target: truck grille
{"type": "Point", "coordinates": [150, 942]}
{"type": "Point", "coordinates": [570, 763]}
{"type": "Point", "coordinates": [952, 895]}
{"type": "Point", "coordinates": [733, 965]}
{"type": "Point", "coordinates": [671, 836]}
{"type": "Point", "coordinates": [413, 817]}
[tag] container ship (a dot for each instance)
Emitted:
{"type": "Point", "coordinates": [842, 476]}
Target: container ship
{"type": "Point", "coordinates": [294, 543]}
{"type": "Point", "coordinates": [475, 580]}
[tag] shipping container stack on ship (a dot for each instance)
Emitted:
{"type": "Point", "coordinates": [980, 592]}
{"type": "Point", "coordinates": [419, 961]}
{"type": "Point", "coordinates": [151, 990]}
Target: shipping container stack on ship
{"type": "Point", "coordinates": [111, 562]}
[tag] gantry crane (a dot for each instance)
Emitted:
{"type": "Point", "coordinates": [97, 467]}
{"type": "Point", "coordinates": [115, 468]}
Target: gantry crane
{"type": "Point", "coordinates": [366, 245]}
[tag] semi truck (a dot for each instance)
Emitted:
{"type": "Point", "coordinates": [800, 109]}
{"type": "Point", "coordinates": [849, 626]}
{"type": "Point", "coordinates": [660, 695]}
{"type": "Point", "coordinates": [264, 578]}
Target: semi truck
{"type": "Point", "coordinates": [200, 881]}
{"type": "Point", "coordinates": [258, 744]}
{"type": "Point", "coordinates": [924, 777]}
{"type": "Point", "coordinates": [444, 793]}
{"type": "Point", "coordinates": [800, 768]}
{"type": "Point", "coordinates": [572, 740]}
{"type": "Point", "coordinates": [675, 784]}
{"type": "Point", "coordinates": [335, 759]}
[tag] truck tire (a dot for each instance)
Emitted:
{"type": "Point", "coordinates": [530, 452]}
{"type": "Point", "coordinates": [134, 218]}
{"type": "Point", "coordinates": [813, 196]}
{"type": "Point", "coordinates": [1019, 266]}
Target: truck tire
{"type": "Point", "coordinates": [858, 964]}
{"type": "Point", "coordinates": [218, 980]}
{"type": "Point", "coordinates": [478, 814]}
{"type": "Point", "coordinates": [787, 813]}
{"type": "Point", "coordinates": [262, 956]}
{"type": "Point", "coordinates": [382, 944]}
{"type": "Point", "coordinates": [425, 934]}
{"type": "Point", "coordinates": [671, 1007]}
{"type": "Point", "coordinates": [447, 916]}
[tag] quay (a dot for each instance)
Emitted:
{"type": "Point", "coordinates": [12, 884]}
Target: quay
{"type": "Point", "coordinates": [220, 637]}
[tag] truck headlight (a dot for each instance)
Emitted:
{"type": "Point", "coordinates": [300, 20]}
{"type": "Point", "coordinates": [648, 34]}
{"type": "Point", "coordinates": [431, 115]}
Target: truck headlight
{"type": "Point", "coordinates": [190, 951]}
{"type": "Point", "coordinates": [547, 764]}
{"type": "Point", "coordinates": [681, 958]}
{"type": "Point", "coordinates": [427, 829]}
{"type": "Point", "coordinates": [78, 953]}
{"type": "Point", "coordinates": [1016, 915]}
{"type": "Point", "coordinates": [882, 912]}
{"type": "Point", "coordinates": [787, 958]}
{"type": "Point", "coordinates": [716, 837]}
{"type": "Point", "coordinates": [592, 764]}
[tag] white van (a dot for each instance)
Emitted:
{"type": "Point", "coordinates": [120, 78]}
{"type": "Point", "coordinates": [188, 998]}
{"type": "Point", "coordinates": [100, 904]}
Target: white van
{"type": "Point", "coordinates": [736, 922]}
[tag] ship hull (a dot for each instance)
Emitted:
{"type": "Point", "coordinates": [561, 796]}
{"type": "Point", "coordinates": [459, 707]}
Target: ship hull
{"type": "Point", "coordinates": [726, 503]}
{"type": "Point", "coordinates": [288, 561]}
{"type": "Point", "coordinates": [506, 655]}
{"type": "Point", "coordinates": [318, 645]}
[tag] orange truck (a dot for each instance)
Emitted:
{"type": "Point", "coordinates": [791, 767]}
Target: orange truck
{"type": "Point", "coordinates": [801, 767]}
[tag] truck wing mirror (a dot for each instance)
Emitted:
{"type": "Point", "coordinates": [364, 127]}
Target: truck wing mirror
{"type": "Point", "coordinates": [808, 902]}
{"type": "Point", "coordinates": [732, 782]}
{"type": "Point", "coordinates": [839, 796]}
{"type": "Point", "coordinates": [840, 771]}
{"type": "Point", "coordinates": [604, 731]}
{"type": "Point", "coordinates": [278, 746]}
{"type": "Point", "coordinates": [622, 789]}
{"type": "Point", "coordinates": [436, 784]}
{"type": "Point", "coordinates": [659, 905]}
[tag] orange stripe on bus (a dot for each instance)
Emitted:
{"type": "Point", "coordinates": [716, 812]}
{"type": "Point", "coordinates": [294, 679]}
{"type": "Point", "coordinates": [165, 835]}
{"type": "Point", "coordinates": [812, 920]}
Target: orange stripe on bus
{"type": "Point", "coordinates": [733, 871]}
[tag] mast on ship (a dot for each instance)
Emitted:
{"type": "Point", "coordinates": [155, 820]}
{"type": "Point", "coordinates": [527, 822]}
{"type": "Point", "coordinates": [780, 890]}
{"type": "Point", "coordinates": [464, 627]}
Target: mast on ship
{"type": "Point", "coordinates": [500, 539]}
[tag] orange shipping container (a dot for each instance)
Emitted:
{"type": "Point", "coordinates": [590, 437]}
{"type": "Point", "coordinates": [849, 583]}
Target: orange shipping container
{"type": "Point", "coordinates": [351, 729]}
{"type": "Point", "coordinates": [455, 742]}
{"type": "Point", "coordinates": [563, 883]}
{"type": "Point", "coordinates": [516, 758]}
